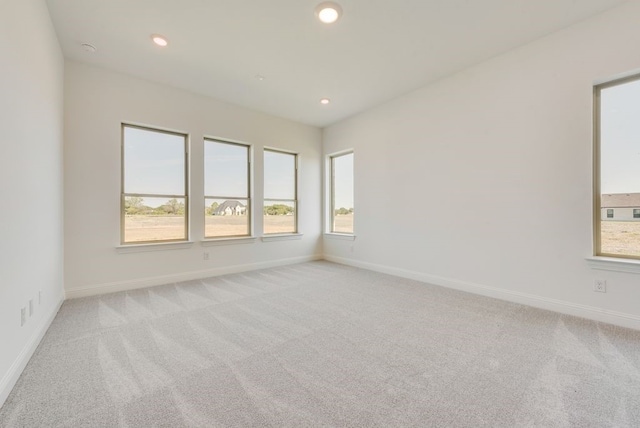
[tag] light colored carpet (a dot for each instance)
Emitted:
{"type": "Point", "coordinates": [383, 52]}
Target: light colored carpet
{"type": "Point", "coordinates": [320, 344]}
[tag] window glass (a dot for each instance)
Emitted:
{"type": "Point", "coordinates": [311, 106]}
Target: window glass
{"type": "Point", "coordinates": [280, 188]}
{"type": "Point", "coordinates": [226, 186]}
{"type": "Point", "coordinates": [618, 151]}
{"type": "Point", "coordinates": [154, 197]}
{"type": "Point", "coordinates": [342, 214]}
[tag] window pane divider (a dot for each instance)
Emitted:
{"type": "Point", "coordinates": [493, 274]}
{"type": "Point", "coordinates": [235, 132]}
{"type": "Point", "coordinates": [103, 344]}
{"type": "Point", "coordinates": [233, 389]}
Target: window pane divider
{"type": "Point", "coordinates": [227, 197]}
{"type": "Point", "coordinates": [153, 195]}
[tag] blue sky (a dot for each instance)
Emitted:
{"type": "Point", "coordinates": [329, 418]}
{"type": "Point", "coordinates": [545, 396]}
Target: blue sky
{"type": "Point", "coordinates": [154, 162]}
{"type": "Point", "coordinates": [225, 170]}
{"type": "Point", "coordinates": [620, 139]}
{"type": "Point", "coordinates": [343, 173]}
{"type": "Point", "coordinates": [279, 175]}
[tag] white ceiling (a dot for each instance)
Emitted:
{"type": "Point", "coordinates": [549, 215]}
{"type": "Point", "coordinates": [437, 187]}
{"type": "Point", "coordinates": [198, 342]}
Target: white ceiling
{"type": "Point", "coordinates": [377, 51]}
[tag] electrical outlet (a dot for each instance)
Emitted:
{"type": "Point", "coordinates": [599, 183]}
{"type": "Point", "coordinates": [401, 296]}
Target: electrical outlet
{"type": "Point", "coordinates": [23, 316]}
{"type": "Point", "coordinates": [600, 285]}
{"type": "Point", "coordinates": [30, 308]}
{"type": "Point", "coordinates": [205, 255]}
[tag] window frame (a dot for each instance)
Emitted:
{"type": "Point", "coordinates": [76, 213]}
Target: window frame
{"type": "Point", "coordinates": [248, 198]}
{"type": "Point", "coordinates": [597, 150]}
{"type": "Point", "coordinates": [332, 188]}
{"type": "Point", "coordinates": [123, 195]}
{"type": "Point", "coordinates": [295, 201]}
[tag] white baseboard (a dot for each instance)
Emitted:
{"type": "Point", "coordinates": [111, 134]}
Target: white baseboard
{"type": "Point", "coordinates": [113, 287]}
{"type": "Point", "coordinates": [590, 312]}
{"type": "Point", "coordinates": [11, 377]}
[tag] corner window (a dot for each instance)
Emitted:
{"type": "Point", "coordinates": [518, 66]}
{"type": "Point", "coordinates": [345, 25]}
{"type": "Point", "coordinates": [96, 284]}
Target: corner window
{"type": "Point", "coordinates": [617, 171]}
{"type": "Point", "coordinates": [154, 200]}
{"type": "Point", "coordinates": [341, 197]}
{"type": "Point", "coordinates": [280, 192]}
{"type": "Point", "coordinates": [227, 198]}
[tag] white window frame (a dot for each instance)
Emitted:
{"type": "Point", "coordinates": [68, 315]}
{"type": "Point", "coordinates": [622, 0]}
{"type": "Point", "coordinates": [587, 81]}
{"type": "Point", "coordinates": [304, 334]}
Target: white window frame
{"type": "Point", "coordinates": [124, 195]}
{"type": "Point", "coordinates": [602, 260]}
{"type": "Point", "coordinates": [248, 198]}
{"type": "Point", "coordinates": [295, 200]}
{"type": "Point", "coordinates": [330, 198]}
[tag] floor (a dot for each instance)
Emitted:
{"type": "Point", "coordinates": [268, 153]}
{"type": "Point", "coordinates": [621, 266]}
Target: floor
{"type": "Point", "coordinates": [321, 344]}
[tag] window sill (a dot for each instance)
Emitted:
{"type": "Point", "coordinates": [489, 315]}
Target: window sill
{"type": "Point", "coordinates": [340, 236]}
{"type": "Point", "coordinates": [160, 246]}
{"type": "Point", "coordinates": [282, 237]}
{"type": "Point", "coordinates": [228, 241]}
{"type": "Point", "coordinates": [614, 264]}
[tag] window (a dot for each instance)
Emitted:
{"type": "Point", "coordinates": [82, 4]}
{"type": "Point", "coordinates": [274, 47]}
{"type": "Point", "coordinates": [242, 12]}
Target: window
{"type": "Point", "coordinates": [280, 192]}
{"type": "Point", "coordinates": [617, 168]}
{"type": "Point", "coordinates": [341, 186]}
{"type": "Point", "coordinates": [227, 197]}
{"type": "Point", "coordinates": [154, 200]}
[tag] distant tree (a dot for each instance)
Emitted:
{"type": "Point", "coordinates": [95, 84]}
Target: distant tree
{"type": "Point", "coordinates": [172, 207]}
{"type": "Point", "coordinates": [277, 209]}
{"type": "Point", "coordinates": [133, 205]}
{"type": "Point", "coordinates": [341, 211]}
{"type": "Point", "coordinates": [212, 209]}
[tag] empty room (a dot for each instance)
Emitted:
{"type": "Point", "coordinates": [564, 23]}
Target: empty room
{"type": "Point", "coordinates": [311, 213]}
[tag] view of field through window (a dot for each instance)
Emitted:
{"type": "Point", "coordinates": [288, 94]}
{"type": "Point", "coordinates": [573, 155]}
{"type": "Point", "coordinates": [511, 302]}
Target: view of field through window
{"type": "Point", "coordinates": [226, 188]}
{"type": "Point", "coordinates": [154, 202]}
{"type": "Point", "coordinates": [153, 188]}
{"type": "Point", "coordinates": [280, 188]}
{"type": "Point", "coordinates": [342, 193]}
{"type": "Point", "coordinates": [153, 219]}
{"type": "Point", "coordinates": [226, 217]}
{"type": "Point", "coordinates": [620, 169]}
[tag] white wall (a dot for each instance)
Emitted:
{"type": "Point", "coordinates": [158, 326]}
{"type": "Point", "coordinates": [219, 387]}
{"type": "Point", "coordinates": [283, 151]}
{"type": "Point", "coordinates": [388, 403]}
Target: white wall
{"type": "Point", "coordinates": [496, 164]}
{"type": "Point", "coordinates": [96, 102]}
{"type": "Point", "coordinates": [31, 247]}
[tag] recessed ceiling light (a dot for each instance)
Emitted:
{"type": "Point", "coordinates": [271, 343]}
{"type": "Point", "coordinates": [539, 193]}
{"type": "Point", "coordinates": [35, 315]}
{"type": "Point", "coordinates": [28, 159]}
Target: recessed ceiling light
{"type": "Point", "coordinates": [89, 48]}
{"type": "Point", "coordinates": [328, 12]}
{"type": "Point", "coordinates": [159, 40]}
{"type": "Point", "coordinates": [260, 77]}
{"type": "Point", "coordinates": [325, 101]}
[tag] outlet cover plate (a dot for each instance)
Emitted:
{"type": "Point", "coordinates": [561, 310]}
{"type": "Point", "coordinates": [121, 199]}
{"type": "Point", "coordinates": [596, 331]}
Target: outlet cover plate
{"type": "Point", "coordinates": [600, 285]}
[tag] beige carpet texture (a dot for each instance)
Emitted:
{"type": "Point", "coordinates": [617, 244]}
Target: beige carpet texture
{"type": "Point", "coordinates": [323, 345]}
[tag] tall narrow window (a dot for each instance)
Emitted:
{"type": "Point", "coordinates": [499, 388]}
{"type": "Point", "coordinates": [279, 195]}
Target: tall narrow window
{"type": "Point", "coordinates": [227, 191]}
{"type": "Point", "coordinates": [617, 158]}
{"type": "Point", "coordinates": [154, 202]}
{"type": "Point", "coordinates": [280, 192]}
{"type": "Point", "coordinates": [342, 193]}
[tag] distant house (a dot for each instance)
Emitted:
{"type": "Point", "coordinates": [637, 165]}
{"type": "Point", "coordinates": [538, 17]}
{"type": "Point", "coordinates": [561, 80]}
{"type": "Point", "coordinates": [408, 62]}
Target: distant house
{"type": "Point", "coordinates": [620, 207]}
{"type": "Point", "coordinates": [230, 208]}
